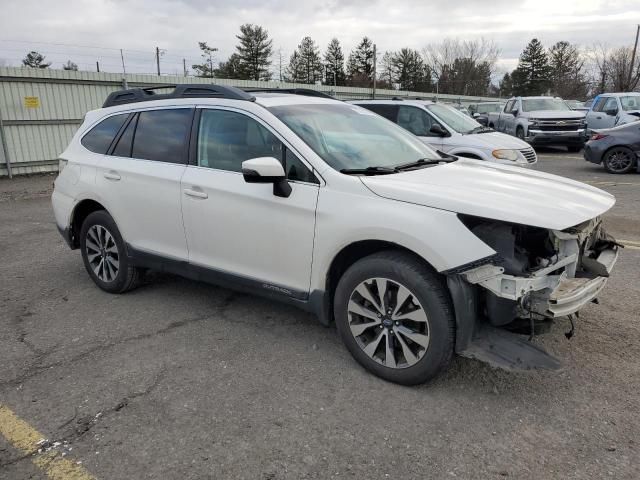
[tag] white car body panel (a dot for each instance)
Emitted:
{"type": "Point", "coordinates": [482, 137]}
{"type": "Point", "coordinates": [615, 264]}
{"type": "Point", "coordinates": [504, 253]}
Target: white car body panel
{"type": "Point", "coordinates": [480, 145]}
{"type": "Point", "coordinates": [502, 193]}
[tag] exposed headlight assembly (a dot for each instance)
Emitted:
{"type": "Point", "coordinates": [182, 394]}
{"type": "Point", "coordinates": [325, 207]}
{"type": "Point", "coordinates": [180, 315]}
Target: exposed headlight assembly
{"type": "Point", "coordinates": [506, 154]}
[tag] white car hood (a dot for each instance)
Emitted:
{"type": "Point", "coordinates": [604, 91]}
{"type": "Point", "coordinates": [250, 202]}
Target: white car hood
{"type": "Point", "coordinates": [491, 140]}
{"type": "Point", "coordinates": [499, 192]}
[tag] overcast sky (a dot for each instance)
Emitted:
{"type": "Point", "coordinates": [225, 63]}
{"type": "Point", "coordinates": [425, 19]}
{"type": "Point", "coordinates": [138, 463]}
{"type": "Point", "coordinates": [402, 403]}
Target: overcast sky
{"type": "Point", "coordinates": [64, 29]}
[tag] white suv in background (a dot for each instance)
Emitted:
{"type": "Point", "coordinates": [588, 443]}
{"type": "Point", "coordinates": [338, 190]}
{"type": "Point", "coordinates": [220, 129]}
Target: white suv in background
{"type": "Point", "coordinates": [330, 207]}
{"type": "Point", "coordinates": [445, 128]}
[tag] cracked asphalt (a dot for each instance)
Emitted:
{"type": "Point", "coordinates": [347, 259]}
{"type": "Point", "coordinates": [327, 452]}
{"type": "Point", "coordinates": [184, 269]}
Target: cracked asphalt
{"type": "Point", "coordinates": [181, 380]}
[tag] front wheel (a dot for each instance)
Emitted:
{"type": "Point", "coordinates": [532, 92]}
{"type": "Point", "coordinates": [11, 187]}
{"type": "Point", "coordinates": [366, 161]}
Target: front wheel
{"type": "Point", "coordinates": [395, 317]}
{"type": "Point", "coordinates": [520, 133]}
{"type": "Point", "coordinates": [104, 254]}
{"type": "Point", "coordinates": [619, 160]}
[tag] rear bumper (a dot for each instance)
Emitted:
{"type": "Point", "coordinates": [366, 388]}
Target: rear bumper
{"type": "Point", "coordinates": [590, 155]}
{"type": "Point", "coordinates": [567, 138]}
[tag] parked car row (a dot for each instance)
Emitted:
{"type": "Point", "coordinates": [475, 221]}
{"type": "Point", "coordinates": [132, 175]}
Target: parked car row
{"type": "Point", "coordinates": [414, 254]}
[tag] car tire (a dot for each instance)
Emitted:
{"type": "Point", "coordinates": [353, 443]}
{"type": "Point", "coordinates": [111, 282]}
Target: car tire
{"type": "Point", "coordinates": [520, 133]}
{"type": "Point", "coordinates": [619, 160]}
{"type": "Point", "coordinates": [104, 254]}
{"type": "Point", "coordinates": [407, 343]}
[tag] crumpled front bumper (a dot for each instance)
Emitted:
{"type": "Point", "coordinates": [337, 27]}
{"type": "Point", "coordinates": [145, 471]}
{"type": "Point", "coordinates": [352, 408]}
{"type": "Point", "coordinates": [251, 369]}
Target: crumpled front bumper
{"type": "Point", "coordinates": [547, 295]}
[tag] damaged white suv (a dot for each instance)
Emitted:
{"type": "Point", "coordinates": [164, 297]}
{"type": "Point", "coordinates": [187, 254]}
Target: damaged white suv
{"type": "Point", "coordinates": [415, 255]}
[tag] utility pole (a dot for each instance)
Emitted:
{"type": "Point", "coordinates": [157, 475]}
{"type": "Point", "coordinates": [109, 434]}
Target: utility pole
{"type": "Point", "coordinates": [633, 57]}
{"type": "Point", "coordinates": [375, 60]}
{"type": "Point", "coordinates": [158, 60]}
{"type": "Point", "coordinates": [184, 66]}
{"type": "Point", "coordinates": [124, 70]}
{"type": "Point", "coordinates": [98, 66]}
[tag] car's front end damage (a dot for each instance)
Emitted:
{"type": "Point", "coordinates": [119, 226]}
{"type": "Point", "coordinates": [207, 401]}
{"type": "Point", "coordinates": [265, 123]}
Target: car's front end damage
{"type": "Point", "coordinates": [536, 276]}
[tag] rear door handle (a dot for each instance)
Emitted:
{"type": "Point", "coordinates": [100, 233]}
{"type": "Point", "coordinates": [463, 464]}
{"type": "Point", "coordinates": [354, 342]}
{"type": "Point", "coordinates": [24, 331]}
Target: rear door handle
{"type": "Point", "coordinates": [112, 175]}
{"type": "Point", "coordinates": [195, 193]}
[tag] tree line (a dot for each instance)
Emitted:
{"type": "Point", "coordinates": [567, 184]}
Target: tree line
{"type": "Point", "coordinates": [451, 66]}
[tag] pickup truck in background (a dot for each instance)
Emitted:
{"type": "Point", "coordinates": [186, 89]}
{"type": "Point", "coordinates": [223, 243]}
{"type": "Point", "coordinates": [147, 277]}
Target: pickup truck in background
{"type": "Point", "coordinates": [609, 110]}
{"type": "Point", "coordinates": [541, 121]}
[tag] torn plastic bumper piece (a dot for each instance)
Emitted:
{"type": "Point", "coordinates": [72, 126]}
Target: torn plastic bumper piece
{"type": "Point", "coordinates": [509, 351]}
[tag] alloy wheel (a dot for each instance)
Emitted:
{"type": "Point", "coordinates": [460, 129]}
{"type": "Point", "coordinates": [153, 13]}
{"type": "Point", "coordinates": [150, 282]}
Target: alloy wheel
{"type": "Point", "coordinates": [102, 253]}
{"type": "Point", "coordinates": [388, 322]}
{"type": "Point", "coordinates": [619, 160]}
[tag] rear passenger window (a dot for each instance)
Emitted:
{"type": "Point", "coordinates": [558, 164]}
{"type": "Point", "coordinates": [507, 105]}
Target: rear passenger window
{"type": "Point", "coordinates": [123, 147]}
{"type": "Point", "coordinates": [100, 137]}
{"type": "Point", "coordinates": [161, 135]}
{"type": "Point", "coordinates": [390, 112]}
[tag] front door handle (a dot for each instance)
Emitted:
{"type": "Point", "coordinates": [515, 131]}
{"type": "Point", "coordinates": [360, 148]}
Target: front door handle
{"type": "Point", "coordinates": [195, 193]}
{"type": "Point", "coordinates": [111, 175]}
{"type": "Point", "coordinates": [599, 118]}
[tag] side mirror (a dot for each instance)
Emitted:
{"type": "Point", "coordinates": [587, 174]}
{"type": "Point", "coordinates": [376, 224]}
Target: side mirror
{"type": "Point", "coordinates": [612, 112]}
{"type": "Point", "coordinates": [437, 129]}
{"type": "Point", "coordinates": [514, 112]}
{"type": "Point", "coordinates": [267, 170]}
{"type": "Point", "coordinates": [476, 115]}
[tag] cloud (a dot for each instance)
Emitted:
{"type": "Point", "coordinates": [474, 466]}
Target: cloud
{"type": "Point", "coordinates": [138, 26]}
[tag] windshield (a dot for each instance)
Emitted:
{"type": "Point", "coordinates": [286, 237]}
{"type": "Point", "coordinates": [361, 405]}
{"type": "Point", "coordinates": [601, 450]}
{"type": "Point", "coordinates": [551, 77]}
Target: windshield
{"type": "Point", "coordinates": [632, 102]}
{"type": "Point", "coordinates": [350, 137]}
{"type": "Point", "coordinates": [453, 119]}
{"type": "Point", "coordinates": [489, 107]}
{"type": "Point", "coordinates": [535, 104]}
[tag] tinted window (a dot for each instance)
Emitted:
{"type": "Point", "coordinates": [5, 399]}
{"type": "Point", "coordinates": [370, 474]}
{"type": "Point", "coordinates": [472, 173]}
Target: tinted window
{"type": "Point", "coordinates": [162, 135]}
{"type": "Point", "coordinates": [125, 142]}
{"type": "Point", "coordinates": [226, 139]}
{"type": "Point", "coordinates": [610, 105]}
{"type": "Point", "coordinates": [509, 106]}
{"type": "Point", "coordinates": [415, 120]}
{"type": "Point", "coordinates": [599, 104]}
{"type": "Point", "coordinates": [100, 137]}
{"type": "Point", "coordinates": [390, 112]}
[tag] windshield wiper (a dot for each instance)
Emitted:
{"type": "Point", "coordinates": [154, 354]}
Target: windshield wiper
{"type": "Point", "coordinates": [426, 162]}
{"type": "Point", "coordinates": [369, 171]}
{"type": "Point", "coordinates": [480, 129]}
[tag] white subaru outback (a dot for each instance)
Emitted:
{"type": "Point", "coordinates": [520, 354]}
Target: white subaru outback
{"type": "Point", "coordinates": [415, 255]}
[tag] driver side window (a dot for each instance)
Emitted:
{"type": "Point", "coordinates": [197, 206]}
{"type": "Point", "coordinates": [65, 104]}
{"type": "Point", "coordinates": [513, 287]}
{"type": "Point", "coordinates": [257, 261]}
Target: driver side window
{"type": "Point", "coordinates": [611, 104]}
{"type": "Point", "coordinates": [415, 120]}
{"type": "Point", "coordinates": [226, 139]}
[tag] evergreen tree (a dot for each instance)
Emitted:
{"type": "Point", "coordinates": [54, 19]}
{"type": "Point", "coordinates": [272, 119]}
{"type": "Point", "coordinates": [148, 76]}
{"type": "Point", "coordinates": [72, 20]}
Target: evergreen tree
{"type": "Point", "coordinates": [293, 72]}
{"type": "Point", "coordinates": [410, 70]}
{"type": "Point", "coordinates": [254, 52]}
{"type": "Point", "coordinates": [70, 66]}
{"type": "Point", "coordinates": [230, 68]}
{"type": "Point", "coordinates": [206, 68]}
{"type": "Point", "coordinates": [533, 75]}
{"type": "Point", "coordinates": [334, 63]}
{"type": "Point", "coordinates": [306, 66]}
{"type": "Point", "coordinates": [35, 60]}
{"type": "Point", "coordinates": [360, 65]}
{"type": "Point", "coordinates": [567, 75]}
{"type": "Point", "coordinates": [506, 86]}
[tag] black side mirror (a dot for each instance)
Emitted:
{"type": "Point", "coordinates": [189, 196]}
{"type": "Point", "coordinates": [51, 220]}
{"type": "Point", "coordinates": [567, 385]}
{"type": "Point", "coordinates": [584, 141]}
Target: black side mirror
{"type": "Point", "coordinates": [437, 129]}
{"type": "Point", "coordinates": [612, 112]}
{"type": "Point", "coordinates": [514, 112]}
{"type": "Point", "coordinates": [267, 170]}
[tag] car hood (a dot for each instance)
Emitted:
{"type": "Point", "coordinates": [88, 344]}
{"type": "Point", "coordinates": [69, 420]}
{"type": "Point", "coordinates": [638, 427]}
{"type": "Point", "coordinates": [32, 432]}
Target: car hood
{"type": "Point", "coordinates": [551, 114]}
{"type": "Point", "coordinates": [498, 192]}
{"type": "Point", "coordinates": [495, 140]}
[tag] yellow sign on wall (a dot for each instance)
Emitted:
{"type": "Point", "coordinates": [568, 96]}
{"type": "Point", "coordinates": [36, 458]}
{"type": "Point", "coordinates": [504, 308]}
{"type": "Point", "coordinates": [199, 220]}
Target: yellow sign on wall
{"type": "Point", "coordinates": [32, 102]}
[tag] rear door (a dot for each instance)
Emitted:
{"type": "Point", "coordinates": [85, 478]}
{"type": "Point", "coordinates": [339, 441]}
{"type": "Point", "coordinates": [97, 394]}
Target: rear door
{"type": "Point", "coordinates": [139, 180]}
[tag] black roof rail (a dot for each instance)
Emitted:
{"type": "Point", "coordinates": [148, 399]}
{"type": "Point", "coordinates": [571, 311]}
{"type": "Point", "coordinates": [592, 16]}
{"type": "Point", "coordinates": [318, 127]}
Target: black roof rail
{"type": "Point", "coordinates": [400, 99]}
{"type": "Point", "coordinates": [294, 91]}
{"type": "Point", "coordinates": [145, 94]}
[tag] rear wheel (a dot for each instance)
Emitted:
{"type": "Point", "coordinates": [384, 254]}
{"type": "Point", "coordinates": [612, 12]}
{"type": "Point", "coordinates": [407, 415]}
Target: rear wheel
{"type": "Point", "coordinates": [104, 254]}
{"type": "Point", "coordinates": [619, 160]}
{"type": "Point", "coordinates": [395, 317]}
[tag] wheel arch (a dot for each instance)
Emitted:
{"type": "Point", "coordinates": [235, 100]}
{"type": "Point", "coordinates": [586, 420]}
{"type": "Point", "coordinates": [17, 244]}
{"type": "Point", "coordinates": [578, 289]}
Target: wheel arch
{"type": "Point", "coordinates": [80, 212]}
{"type": "Point", "coordinates": [322, 301]}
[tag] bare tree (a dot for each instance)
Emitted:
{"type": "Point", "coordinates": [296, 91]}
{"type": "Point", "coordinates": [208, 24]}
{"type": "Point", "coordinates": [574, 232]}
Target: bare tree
{"type": "Point", "coordinates": [461, 66]}
{"type": "Point", "coordinates": [610, 69]}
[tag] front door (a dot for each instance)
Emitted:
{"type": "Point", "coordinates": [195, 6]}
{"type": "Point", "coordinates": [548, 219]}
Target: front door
{"type": "Point", "coordinates": [242, 229]}
{"type": "Point", "coordinates": [419, 122]}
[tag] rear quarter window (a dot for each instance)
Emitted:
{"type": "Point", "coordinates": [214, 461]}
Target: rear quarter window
{"type": "Point", "coordinates": [100, 137]}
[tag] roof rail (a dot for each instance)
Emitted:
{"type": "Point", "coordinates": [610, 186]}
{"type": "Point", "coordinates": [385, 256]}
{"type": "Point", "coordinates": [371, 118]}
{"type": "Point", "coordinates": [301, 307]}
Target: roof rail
{"type": "Point", "coordinates": [399, 99]}
{"type": "Point", "coordinates": [145, 94]}
{"type": "Point", "coordinates": [295, 91]}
